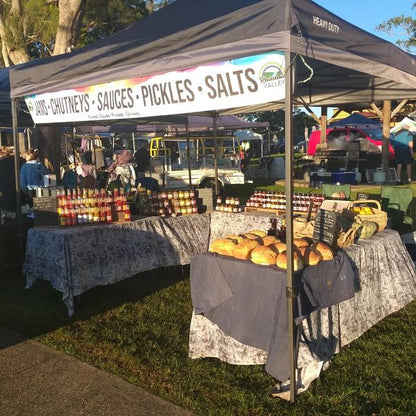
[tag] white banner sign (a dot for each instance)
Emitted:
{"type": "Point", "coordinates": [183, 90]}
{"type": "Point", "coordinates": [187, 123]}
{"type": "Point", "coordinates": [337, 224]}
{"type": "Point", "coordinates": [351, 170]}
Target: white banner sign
{"type": "Point", "coordinates": [236, 83]}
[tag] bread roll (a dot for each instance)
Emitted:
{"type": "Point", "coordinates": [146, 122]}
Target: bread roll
{"type": "Point", "coordinates": [281, 260]}
{"type": "Point", "coordinates": [325, 250]}
{"type": "Point", "coordinates": [300, 242]}
{"type": "Point", "coordinates": [311, 256]}
{"type": "Point", "coordinates": [251, 236]}
{"type": "Point", "coordinates": [280, 246]}
{"type": "Point", "coordinates": [235, 237]}
{"type": "Point", "coordinates": [270, 239]}
{"type": "Point", "coordinates": [223, 246]}
{"type": "Point", "coordinates": [259, 233]}
{"type": "Point", "coordinates": [264, 255]}
{"type": "Point", "coordinates": [243, 249]}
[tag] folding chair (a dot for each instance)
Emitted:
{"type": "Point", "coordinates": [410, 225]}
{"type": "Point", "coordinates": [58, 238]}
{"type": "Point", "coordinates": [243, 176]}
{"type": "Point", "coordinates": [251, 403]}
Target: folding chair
{"type": "Point", "coordinates": [397, 201]}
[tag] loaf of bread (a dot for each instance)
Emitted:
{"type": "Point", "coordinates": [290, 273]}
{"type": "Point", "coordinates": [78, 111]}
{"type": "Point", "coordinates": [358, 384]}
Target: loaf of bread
{"type": "Point", "coordinates": [264, 255]}
{"type": "Point", "coordinates": [280, 246]}
{"type": "Point", "coordinates": [259, 233]}
{"type": "Point", "coordinates": [223, 246]}
{"type": "Point", "coordinates": [325, 250]}
{"type": "Point", "coordinates": [270, 239]}
{"type": "Point", "coordinates": [310, 255]}
{"type": "Point", "coordinates": [234, 237]}
{"type": "Point", "coordinates": [243, 249]}
{"type": "Point", "coordinates": [251, 236]}
{"type": "Point", "coordinates": [282, 260]}
{"type": "Point", "coordinates": [300, 242]}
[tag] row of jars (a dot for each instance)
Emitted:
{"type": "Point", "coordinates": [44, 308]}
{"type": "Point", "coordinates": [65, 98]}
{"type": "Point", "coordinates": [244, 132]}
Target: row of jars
{"type": "Point", "coordinates": [177, 194]}
{"type": "Point", "coordinates": [277, 200]}
{"type": "Point", "coordinates": [228, 204]}
{"type": "Point", "coordinates": [172, 203]}
{"type": "Point", "coordinates": [89, 206]}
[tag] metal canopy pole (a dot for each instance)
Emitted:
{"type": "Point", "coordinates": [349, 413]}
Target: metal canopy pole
{"type": "Point", "coordinates": [16, 145]}
{"type": "Point", "coordinates": [268, 140]}
{"type": "Point", "coordinates": [188, 155]}
{"type": "Point", "coordinates": [214, 126]}
{"type": "Point", "coordinates": [290, 290]}
{"type": "Point", "coordinates": [386, 136]}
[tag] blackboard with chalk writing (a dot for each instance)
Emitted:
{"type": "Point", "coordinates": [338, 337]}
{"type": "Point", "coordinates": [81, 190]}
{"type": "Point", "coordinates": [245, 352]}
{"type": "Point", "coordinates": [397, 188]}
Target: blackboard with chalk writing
{"type": "Point", "coordinates": [325, 228]}
{"type": "Point", "coordinates": [44, 210]}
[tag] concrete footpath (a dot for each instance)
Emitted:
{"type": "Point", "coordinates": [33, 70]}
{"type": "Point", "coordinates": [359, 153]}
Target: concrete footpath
{"type": "Point", "coordinates": [37, 380]}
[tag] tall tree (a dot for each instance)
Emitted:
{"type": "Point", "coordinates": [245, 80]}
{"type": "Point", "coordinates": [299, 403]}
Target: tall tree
{"type": "Point", "coordinates": [12, 33]}
{"type": "Point", "coordinates": [70, 14]}
{"type": "Point", "coordinates": [32, 29]}
{"type": "Point", "coordinates": [407, 29]}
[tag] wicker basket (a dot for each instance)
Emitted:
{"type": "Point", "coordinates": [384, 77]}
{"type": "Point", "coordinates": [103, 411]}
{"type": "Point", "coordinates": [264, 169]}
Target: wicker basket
{"type": "Point", "coordinates": [379, 216]}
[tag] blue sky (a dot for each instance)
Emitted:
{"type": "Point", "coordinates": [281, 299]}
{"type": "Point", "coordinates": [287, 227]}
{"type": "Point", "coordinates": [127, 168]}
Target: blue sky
{"type": "Point", "coordinates": [367, 14]}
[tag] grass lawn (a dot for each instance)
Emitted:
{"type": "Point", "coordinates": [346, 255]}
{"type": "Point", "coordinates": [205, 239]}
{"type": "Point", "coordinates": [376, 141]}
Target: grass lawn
{"type": "Point", "coordinates": [138, 329]}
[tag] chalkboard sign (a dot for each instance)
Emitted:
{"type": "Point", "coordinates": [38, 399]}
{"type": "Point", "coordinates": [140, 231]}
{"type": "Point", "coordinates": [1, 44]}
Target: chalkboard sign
{"type": "Point", "coordinates": [44, 210]}
{"type": "Point", "coordinates": [325, 227]}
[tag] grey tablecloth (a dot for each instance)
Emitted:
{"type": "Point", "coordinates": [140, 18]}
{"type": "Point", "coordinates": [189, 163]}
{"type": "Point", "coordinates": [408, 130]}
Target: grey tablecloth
{"type": "Point", "coordinates": [248, 301]}
{"type": "Point", "coordinates": [387, 282]}
{"type": "Point", "coordinates": [75, 259]}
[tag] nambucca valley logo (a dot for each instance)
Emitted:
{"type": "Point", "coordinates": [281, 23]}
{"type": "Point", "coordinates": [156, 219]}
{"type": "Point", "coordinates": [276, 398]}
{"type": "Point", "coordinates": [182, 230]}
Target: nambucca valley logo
{"type": "Point", "coordinates": [29, 105]}
{"type": "Point", "coordinates": [272, 75]}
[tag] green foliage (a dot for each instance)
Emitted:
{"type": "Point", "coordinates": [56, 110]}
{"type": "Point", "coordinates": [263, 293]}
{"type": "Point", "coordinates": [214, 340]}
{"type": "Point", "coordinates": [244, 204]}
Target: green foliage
{"type": "Point", "coordinates": [406, 26]}
{"type": "Point", "coordinates": [102, 19]}
{"type": "Point", "coordinates": [277, 122]}
{"type": "Point", "coordinates": [40, 25]}
{"type": "Point", "coordinates": [36, 29]}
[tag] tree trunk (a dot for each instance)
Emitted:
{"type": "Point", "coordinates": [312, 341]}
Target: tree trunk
{"type": "Point", "coordinates": [12, 34]}
{"type": "Point", "coordinates": [49, 140]}
{"type": "Point", "coordinates": [70, 13]}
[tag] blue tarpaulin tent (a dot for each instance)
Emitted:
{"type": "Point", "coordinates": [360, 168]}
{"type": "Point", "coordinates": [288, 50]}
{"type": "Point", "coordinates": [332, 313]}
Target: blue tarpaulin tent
{"type": "Point", "coordinates": [355, 119]}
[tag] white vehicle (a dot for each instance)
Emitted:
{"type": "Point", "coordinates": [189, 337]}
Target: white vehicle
{"type": "Point", "coordinates": [169, 162]}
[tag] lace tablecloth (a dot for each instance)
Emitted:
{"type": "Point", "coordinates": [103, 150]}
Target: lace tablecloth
{"type": "Point", "coordinates": [75, 259]}
{"type": "Point", "coordinates": [387, 282]}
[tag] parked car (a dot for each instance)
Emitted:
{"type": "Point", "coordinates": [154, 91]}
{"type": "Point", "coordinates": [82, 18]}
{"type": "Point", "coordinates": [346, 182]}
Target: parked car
{"type": "Point", "coordinates": [370, 139]}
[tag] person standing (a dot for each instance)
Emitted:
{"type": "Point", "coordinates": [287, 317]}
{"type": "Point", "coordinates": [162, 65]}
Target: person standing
{"type": "Point", "coordinates": [402, 143]}
{"type": "Point", "coordinates": [244, 155]}
{"type": "Point", "coordinates": [32, 173]}
{"type": "Point", "coordinates": [142, 158]}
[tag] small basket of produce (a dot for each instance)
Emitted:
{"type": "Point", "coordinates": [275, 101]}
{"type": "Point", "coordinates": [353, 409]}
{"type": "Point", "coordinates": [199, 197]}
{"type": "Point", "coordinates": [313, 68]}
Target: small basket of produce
{"type": "Point", "coordinates": [367, 210]}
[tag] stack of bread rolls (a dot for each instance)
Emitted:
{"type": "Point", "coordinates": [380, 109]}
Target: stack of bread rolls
{"type": "Point", "coordinates": [260, 248]}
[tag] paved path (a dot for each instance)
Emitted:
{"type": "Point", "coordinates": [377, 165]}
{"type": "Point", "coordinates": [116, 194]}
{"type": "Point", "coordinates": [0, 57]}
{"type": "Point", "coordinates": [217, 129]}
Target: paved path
{"type": "Point", "coordinates": [38, 380]}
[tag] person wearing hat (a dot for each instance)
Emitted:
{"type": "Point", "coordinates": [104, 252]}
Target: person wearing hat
{"type": "Point", "coordinates": [402, 142]}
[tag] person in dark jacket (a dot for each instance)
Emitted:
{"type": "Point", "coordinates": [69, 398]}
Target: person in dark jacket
{"type": "Point", "coordinates": [32, 173]}
{"type": "Point", "coordinates": [7, 180]}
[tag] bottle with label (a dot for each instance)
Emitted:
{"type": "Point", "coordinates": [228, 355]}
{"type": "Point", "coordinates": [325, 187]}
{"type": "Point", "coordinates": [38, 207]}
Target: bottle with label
{"type": "Point", "coordinates": [127, 214]}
